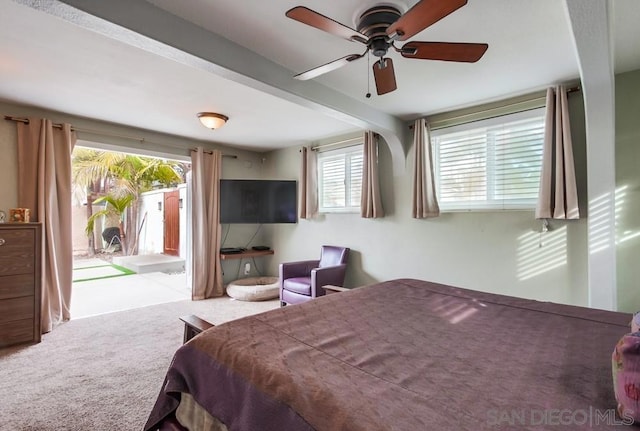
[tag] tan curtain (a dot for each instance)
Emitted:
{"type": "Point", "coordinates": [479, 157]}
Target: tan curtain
{"type": "Point", "coordinates": [44, 186]}
{"type": "Point", "coordinates": [308, 205]}
{"type": "Point", "coordinates": [370, 201]}
{"type": "Point", "coordinates": [424, 200]}
{"type": "Point", "coordinates": [206, 170]}
{"type": "Point", "coordinates": [558, 196]}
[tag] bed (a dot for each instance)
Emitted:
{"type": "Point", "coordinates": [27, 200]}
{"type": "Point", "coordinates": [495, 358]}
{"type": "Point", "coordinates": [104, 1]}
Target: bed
{"type": "Point", "coordinates": [399, 355]}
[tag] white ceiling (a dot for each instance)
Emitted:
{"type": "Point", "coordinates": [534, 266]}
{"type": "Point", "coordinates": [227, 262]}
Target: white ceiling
{"type": "Point", "coordinates": [67, 62]}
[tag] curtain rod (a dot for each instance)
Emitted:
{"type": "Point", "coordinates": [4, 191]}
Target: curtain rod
{"type": "Point", "coordinates": [346, 143]}
{"type": "Point", "coordinates": [99, 132]}
{"type": "Point", "coordinates": [26, 121]}
{"type": "Point", "coordinates": [231, 156]}
{"type": "Point", "coordinates": [78, 129]}
{"type": "Point", "coordinates": [569, 90]}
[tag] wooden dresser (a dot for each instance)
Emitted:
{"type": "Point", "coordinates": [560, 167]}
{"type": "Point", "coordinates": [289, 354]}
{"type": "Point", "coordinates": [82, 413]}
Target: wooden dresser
{"type": "Point", "coordinates": [20, 283]}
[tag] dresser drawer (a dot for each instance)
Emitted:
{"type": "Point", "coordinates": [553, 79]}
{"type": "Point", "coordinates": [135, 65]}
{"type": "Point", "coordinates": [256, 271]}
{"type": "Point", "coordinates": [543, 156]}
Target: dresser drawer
{"type": "Point", "coordinates": [18, 331]}
{"type": "Point", "coordinates": [17, 251]}
{"type": "Point", "coordinates": [17, 309]}
{"type": "Point", "coordinates": [13, 286]}
{"type": "Point", "coordinates": [20, 282]}
{"type": "Point", "coordinates": [18, 238]}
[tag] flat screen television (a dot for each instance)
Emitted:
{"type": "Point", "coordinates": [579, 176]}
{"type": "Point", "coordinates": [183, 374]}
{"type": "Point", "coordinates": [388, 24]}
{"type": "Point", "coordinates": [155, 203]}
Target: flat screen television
{"type": "Point", "coordinates": [258, 201]}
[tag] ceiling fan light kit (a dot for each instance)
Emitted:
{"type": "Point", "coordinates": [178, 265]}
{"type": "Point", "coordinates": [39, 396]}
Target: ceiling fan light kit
{"type": "Point", "coordinates": [380, 27]}
{"type": "Point", "coordinates": [212, 120]}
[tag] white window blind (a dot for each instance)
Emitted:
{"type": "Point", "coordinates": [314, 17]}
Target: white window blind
{"type": "Point", "coordinates": [490, 164]}
{"type": "Point", "coordinates": [340, 179]}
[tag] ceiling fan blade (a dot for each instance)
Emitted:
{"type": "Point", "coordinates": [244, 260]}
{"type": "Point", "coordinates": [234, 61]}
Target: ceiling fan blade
{"type": "Point", "coordinates": [314, 19]}
{"type": "Point", "coordinates": [445, 51]}
{"type": "Point", "coordinates": [384, 75]}
{"type": "Point", "coordinates": [328, 67]}
{"type": "Point", "coordinates": [422, 15]}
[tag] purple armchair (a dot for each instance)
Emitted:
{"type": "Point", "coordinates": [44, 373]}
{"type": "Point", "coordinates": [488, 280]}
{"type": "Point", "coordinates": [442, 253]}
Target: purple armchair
{"type": "Point", "coordinates": [303, 280]}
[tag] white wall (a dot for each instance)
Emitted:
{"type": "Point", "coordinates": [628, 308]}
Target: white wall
{"type": "Point", "coordinates": [151, 238]}
{"type": "Point", "coordinates": [628, 184]}
{"type": "Point", "coordinates": [182, 188]}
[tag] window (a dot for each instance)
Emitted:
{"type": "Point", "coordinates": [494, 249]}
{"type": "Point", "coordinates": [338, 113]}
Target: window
{"type": "Point", "coordinates": [340, 179]}
{"type": "Point", "coordinates": [489, 164]}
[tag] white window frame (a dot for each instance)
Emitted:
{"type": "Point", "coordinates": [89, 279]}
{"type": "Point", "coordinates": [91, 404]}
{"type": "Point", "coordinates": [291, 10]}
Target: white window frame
{"type": "Point", "coordinates": [490, 203]}
{"type": "Point", "coordinates": [352, 204]}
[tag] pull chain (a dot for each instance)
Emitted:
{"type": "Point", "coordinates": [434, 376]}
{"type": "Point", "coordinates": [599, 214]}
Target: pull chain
{"type": "Point", "coordinates": [368, 95]}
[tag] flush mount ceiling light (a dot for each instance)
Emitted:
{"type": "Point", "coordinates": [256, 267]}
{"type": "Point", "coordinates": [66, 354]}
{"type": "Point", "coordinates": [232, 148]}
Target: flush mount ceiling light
{"type": "Point", "coordinates": [212, 120]}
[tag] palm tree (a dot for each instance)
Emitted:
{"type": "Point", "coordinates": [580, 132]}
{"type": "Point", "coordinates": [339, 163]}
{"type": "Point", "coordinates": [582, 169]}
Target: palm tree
{"type": "Point", "coordinates": [119, 179]}
{"type": "Point", "coordinates": [115, 206]}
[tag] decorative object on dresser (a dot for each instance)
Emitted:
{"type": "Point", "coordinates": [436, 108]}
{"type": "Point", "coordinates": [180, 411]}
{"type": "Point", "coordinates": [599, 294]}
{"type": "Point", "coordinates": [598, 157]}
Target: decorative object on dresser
{"type": "Point", "coordinates": [19, 215]}
{"type": "Point", "coordinates": [20, 283]}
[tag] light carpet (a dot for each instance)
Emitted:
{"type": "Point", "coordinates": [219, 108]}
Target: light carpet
{"type": "Point", "coordinates": [102, 372]}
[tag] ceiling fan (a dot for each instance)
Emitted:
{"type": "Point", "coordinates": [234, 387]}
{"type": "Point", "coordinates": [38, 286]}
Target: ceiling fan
{"type": "Point", "coordinates": [380, 27]}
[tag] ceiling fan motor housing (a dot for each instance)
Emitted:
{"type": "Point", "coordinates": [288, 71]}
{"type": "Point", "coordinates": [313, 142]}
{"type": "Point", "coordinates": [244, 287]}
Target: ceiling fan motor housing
{"type": "Point", "coordinates": [373, 23]}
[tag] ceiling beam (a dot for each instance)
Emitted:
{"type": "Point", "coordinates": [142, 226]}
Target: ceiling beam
{"type": "Point", "coordinates": [142, 25]}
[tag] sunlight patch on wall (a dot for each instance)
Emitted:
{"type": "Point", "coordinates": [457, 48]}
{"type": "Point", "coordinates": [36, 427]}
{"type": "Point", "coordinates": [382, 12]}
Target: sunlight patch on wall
{"type": "Point", "coordinates": [539, 252]}
{"type": "Point", "coordinates": [621, 211]}
{"type": "Point", "coordinates": [627, 235]}
{"type": "Point", "coordinates": [601, 228]}
{"type": "Point", "coordinates": [602, 233]}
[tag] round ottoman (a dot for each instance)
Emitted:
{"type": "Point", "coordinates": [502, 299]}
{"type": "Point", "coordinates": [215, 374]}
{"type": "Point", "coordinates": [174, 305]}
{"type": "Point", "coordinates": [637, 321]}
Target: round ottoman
{"type": "Point", "coordinates": [254, 288]}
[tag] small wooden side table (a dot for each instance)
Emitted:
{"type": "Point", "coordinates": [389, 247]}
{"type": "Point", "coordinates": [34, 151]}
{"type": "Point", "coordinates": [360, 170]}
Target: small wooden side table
{"type": "Point", "coordinates": [330, 288]}
{"type": "Point", "coordinates": [193, 325]}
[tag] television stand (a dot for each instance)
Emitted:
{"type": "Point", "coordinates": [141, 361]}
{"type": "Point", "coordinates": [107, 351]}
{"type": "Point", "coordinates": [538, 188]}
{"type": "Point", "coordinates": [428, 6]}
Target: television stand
{"type": "Point", "coordinates": [231, 250]}
{"type": "Point", "coordinates": [246, 254]}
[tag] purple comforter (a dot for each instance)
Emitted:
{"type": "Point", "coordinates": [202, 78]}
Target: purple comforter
{"type": "Point", "coordinates": [403, 355]}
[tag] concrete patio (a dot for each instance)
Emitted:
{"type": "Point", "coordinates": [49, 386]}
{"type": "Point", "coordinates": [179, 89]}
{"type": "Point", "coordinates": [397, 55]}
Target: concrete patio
{"type": "Point", "coordinates": [101, 288]}
{"type": "Point", "coordinates": [142, 264]}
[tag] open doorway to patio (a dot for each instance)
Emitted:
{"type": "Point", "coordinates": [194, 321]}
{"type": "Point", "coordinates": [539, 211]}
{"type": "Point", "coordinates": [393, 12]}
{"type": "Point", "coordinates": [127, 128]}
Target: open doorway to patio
{"type": "Point", "coordinates": [129, 231]}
